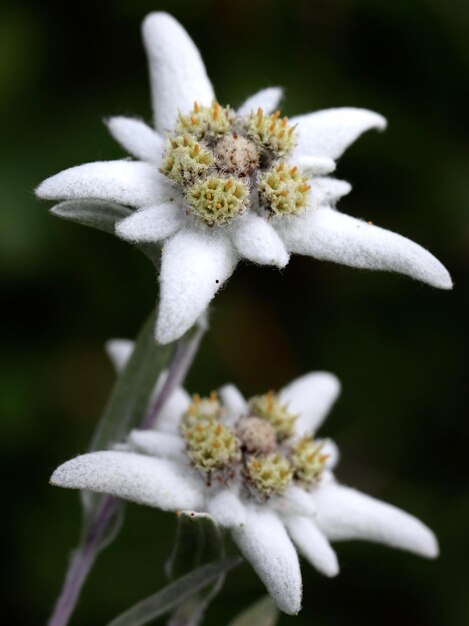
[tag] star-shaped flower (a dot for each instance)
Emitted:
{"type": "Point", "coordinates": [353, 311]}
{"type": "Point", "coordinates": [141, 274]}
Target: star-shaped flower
{"type": "Point", "coordinates": [213, 186]}
{"type": "Point", "coordinates": [256, 467]}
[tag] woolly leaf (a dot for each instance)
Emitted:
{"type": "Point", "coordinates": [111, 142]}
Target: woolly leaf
{"type": "Point", "coordinates": [173, 594]}
{"type": "Point", "coordinates": [261, 613]}
{"type": "Point", "coordinates": [94, 213]}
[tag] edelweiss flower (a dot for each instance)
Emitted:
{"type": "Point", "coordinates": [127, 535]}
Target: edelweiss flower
{"type": "Point", "coordinates": [258, 470]}
{"type": "Point", "coordinates": [213, 185]}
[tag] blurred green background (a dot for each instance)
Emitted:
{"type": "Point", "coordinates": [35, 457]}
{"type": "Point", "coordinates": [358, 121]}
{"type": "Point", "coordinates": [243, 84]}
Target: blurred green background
{"type": "Point", "coordinates": [397, 346]}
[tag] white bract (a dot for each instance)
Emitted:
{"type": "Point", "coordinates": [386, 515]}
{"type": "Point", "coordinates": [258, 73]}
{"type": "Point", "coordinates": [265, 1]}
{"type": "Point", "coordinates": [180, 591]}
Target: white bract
{"type": "Point", "coordinates": [257, 469]}
{"type": "Point", "coordinates": [212, 186]}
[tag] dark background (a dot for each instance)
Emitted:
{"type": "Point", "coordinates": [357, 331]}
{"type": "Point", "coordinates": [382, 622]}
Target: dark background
{"type": "Point", "coordinates": [397, 346]}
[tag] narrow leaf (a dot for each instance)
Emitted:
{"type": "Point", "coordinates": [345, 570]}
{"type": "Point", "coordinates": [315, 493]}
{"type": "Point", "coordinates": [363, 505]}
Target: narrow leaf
{"type": "Point", "coordinates": [133, 389]}
{"type": "Point", "coordinates": [198, 541]}
{"type": "Point", "coordinates": [94, 213]}
{"type": "Point", "coordinates": [102, 216]}
{"type": "Point", "coordinates": [261, 613]}
{"type": "Point", "coordinates": [130, 396]}
{"type": "Point", "coordinates": [173, 594]}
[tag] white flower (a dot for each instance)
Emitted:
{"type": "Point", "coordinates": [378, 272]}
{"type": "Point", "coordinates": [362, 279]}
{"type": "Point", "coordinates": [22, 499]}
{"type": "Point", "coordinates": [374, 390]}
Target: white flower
{"type": "Point", "coordinates": [231, 185]}
{"type": "Point", "coordinates": [216, 456]}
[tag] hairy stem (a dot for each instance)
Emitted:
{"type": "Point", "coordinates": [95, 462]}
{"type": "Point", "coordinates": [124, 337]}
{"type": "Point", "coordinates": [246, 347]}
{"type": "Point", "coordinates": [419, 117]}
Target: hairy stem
{"type": "Point", "coordinates": [84, 556]}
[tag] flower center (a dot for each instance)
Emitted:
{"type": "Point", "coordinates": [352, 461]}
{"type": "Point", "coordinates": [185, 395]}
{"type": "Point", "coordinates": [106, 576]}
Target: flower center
{"type": "Point", "coordinates": [237, 155]}
{"type": "Point", "coordinates": [225, 164]}
{"type": "Point", "coordinates": [257, 435]}
{"type": "Point", "coordinates": [257, 449]}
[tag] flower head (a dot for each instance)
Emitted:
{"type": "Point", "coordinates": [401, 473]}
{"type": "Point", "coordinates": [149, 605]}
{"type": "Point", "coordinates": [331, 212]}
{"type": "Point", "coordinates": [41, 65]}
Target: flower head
{"type": "Point", "coordinates": [212, 185]}
{"type": "Point", "coordinates": [275, 493]}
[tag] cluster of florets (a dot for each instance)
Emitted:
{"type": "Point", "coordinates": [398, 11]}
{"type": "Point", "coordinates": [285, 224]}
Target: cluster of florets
{"type": "Point", "coordinates": [225, 163]}
{"type": "Point", "coordinates": [269, 407]}
{"type": "Point", "coordinates": [284, 190]}
{"type": "Point", "coordinates": [217, 200]}
{"type": "Point", "coordinates": [185, 160]}
{"type": "Point", "coordinates": [258, 448]}
{"type": "Point", "coordinates": [206, 122]}
{"type": "Point", "coordinates": [210, 445]}
{"type": "Point", "coordinates": [271, 132]}
{"type": "Point", "coordinates": [308, 460]}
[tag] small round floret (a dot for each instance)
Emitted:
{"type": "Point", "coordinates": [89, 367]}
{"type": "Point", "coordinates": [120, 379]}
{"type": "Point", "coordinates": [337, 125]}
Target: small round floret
{"type": "Point", "coordinates": [270, 474]}
{"type": "Point", "coordinates": [207, 408]}
{"type": "Point", "coordinates": [257, 435]}
{"type": "Point", "coordinates": [185, 159]}
{"type": "Point", "coordinates": [271, 132]}
{"type": "Point", "coordinates": [308, 460]}
{"type": "Point", "coordinates": [269, 407]}
{"type": "Point", "coordinates": [283, 190]}
{"type": "Point", "coordinates": [206, 122]}
{"type": "Point", "coordinates": [237, 155]}
{"type": "Point", "coordinates": [209, 444]}
{"type": "Point", "coordinates": [218, 200]}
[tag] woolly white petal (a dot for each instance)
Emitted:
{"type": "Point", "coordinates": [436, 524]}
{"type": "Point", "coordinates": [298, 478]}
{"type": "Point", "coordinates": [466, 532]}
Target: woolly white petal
{"type": "Point", "coordinates": [266, 545]}
{"type": "Point", "coordinates": [137, 138]}
{"type": "Point", "coordinates": [344, 513]}
{"type": "Point", "coordinates": [266, 99]}
{"type": "Point", "coordinates": [313, 545]}
{"type": "Point", "coordinates": [329, 133]}
{"type": "Point", "coordinates": [169, 419]}
{"type": "Point", "coordinates": [330, 449]}
{"type": "Point", "coordinates": [170, 415]}
{"type": "Point", "coordinates": [295, 501]}
{"type": "Point", "coordinates": [257, 241]}
{"type": "Point", "coordinates": [193, 268]}
{"type": "Point", "coordinates": [227, 509]}
{"type": "Point", "coordinates": [152, 224]}
{"type": "Point", "coordinates": [119, 352]}
{"type": "Point", "coordinates": [177, 72]}
{"type": "Point", "coordinates": [135, 477]}
{"type": "Point", "coordinates": [315, 166]}
{"type": "Point", "coordinates": [233, 401]}
{"type": "Point", "coordinates": [163, 445]}
{"type": "Point", "coordinates": [325, 190]}
{"type": "Point", "coordinates": [329, 235]}
{"type": "Point", "coordinates": [125, 182]}
{"type": "Point", "coordinates": [311, 397]}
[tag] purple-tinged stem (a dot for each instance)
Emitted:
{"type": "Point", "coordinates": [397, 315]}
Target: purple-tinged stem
{"type": "Point", "coordinates": [85, 555]}
{"type": "Point", "coordinates": [180, 364]}
{"type": "Point", "coordinates": [81, 563]}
